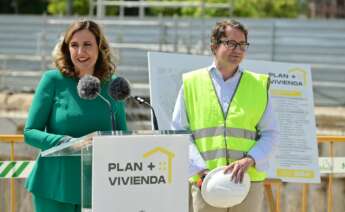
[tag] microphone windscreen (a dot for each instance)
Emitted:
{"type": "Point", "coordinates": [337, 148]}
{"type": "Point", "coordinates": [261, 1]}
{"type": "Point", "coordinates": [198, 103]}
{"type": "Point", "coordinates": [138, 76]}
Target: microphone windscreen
{"type": "Point", "coordinates": [88, 87]}
{"type": "Point", "coordinates": [119, 88]}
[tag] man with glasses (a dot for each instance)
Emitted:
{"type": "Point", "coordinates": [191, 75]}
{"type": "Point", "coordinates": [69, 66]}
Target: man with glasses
{"type": "Point", "coordinates": [229, 112]}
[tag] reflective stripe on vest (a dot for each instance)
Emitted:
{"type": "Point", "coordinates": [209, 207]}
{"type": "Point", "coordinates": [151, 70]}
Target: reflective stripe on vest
{"type": "Point", "coordinates": [218, 153]}
{"type": "Point", "coordinates": [223, 137]}
{"type": "Point", "coordinates": [215, 131]}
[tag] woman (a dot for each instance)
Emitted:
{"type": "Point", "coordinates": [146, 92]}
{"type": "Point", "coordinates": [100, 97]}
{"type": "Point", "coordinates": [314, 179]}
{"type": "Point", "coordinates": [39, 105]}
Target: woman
{"type": "Point", "coordinates": [58, 114]}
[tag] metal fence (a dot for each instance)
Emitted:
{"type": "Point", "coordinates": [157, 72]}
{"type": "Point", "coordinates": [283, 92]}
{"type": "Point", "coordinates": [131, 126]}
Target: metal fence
{"type": "Point", "coordinates": [26, 43]}
{"type": "Point", "coordinates": [274, 204]}
{"type": "Point", "coordinates": [100, 6]}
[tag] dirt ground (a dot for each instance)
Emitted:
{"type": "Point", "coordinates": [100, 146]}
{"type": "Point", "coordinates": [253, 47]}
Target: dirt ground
{"type": "Point", "coordinates": [330, 119]}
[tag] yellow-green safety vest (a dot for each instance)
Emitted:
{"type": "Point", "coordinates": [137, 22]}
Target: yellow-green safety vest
{"type": "Point", "coordinates": [225, 136]}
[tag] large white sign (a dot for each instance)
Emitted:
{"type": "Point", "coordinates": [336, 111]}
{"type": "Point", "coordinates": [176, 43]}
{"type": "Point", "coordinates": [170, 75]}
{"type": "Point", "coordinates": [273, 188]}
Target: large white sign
{"type": "Point", "coordinates": [140, 173]}
{"type": "Point", "coordinates": [296, 159]}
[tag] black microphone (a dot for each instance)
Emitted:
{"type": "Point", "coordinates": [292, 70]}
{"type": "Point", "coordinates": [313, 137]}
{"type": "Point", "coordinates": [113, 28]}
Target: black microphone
{"type": "Point", "coordinates": [120, 89]}
{"type": "Point", "coordinates": [89, 88]}
{"type": "Point", "coordinates": [143, 101]}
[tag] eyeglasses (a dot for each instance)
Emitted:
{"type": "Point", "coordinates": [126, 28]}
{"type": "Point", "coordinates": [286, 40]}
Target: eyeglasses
{"type": "Point", "coordinates": [231, 44]}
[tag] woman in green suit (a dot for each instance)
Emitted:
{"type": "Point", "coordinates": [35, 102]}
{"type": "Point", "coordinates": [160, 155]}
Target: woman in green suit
{"type": "Point", "coordinates": [58, 114]}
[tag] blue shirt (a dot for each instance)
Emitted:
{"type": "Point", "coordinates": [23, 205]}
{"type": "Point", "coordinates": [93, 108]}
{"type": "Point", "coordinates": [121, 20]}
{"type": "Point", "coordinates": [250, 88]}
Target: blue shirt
{"type": "Point", "coordinates": [267, 126]}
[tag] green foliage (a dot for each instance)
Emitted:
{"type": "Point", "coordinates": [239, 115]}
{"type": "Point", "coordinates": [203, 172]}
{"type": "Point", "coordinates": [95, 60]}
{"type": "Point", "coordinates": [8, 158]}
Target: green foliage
{"type": "Point", "coordinates": [80, 7]}
{"type": "Point", "coordinates": [56, 7]}
{"type": "Point", "coordinates": [266, 8]}
{"type": "Point", "coordinates": [59, 7]}
{"type": "Point", "coordinates": [155, 11]}
{"type": "Point", "coordinates": [111, 11]}
{"type": "Point", "coordinates": [241, 8]}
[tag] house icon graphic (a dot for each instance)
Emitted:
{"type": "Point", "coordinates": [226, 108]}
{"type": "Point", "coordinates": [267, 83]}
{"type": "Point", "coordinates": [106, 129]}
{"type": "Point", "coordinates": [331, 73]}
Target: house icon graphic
{"type": "Point", "coordinates": [170, 155]}
{"type": "Point", "coordinates": [300, 71]}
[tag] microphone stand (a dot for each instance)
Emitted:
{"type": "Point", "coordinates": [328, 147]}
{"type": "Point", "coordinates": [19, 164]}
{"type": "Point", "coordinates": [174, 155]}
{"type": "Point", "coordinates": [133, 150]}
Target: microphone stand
{"type": "Point", "coordinates": [142, 101]}
{"type": "Point", "coordinates": [111, 112]}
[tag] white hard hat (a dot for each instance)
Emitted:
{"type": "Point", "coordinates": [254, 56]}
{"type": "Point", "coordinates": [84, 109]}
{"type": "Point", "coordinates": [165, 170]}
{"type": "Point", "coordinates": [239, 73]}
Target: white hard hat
{"type": "Point", "coordinates": [220, 191]}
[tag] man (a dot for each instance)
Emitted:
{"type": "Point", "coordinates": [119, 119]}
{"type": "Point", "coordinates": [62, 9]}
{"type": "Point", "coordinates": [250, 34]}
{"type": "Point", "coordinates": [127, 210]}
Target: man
{"type": "Point", "coordinates": [230, 115]}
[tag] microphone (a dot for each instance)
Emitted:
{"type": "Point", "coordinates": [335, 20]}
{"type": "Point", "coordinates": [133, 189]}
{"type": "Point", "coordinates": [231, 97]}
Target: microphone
{"type": "Point", "coordinates": [119, 89]}
{"type": "Point", "coordinates": [89, 88]}
{"type": "Point", "coordinates": [143, 101]}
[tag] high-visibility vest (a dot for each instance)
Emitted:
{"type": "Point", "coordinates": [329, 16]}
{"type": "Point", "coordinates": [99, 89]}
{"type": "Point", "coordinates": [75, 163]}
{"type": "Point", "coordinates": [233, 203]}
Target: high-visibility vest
{"type": "Point", "coordinates": [225, 136]}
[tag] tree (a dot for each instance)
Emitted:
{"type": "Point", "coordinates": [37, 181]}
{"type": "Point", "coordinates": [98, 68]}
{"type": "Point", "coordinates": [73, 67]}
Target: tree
{"type": "Point", "coordinates": [79, 7]}
{"type": "Point", "coordinates": [59, 7]}
{"type": "Point", "coordinates": [240, 8]}
{"type": "Point", "coordinates": [267, 8]}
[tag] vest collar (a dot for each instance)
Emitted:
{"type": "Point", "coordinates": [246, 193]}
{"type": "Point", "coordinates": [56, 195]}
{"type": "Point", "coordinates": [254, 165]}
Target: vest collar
{"type": "Point", "coordinates": [216, 73]}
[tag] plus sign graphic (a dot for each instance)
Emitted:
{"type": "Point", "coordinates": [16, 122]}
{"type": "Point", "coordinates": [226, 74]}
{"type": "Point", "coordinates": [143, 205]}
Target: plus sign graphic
{"type": "Point", "coordinates": [151, 166]}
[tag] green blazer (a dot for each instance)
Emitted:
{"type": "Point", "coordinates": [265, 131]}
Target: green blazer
{"type": "Point", "coordinates": [58, 111]}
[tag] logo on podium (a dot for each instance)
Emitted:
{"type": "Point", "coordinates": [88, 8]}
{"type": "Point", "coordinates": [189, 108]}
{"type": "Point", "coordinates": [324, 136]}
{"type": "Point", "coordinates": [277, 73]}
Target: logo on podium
{"type": "Point", "coordinates": [162, 165]}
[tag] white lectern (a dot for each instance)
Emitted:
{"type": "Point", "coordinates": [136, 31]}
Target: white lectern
{"type": "Point", "coordinates": [139, 171]}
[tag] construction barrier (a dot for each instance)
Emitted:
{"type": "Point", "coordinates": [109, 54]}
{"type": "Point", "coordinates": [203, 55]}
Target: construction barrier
{"type": "Point", "coordinates": [20, 169]}
{"type": "Point", "coordinates": [15, 169]}
{"type": "Point", "coordinates": [330, 140]}
{"type": "Point", "coordinates": [328, 166]}
{"type": "Point", "coordinates": [11, 139]}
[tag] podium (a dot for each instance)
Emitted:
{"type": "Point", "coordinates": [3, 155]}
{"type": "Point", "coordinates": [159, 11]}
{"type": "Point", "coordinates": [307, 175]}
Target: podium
{"type": "Point", "coordinates": [139, 171]}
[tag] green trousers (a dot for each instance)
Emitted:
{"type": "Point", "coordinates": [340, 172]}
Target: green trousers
{"type": "Point", "coordinates": [49, 205]}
